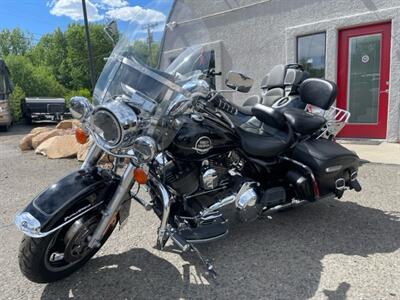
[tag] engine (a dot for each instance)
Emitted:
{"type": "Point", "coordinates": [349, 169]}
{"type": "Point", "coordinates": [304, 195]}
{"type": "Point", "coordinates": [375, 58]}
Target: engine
{"type": "Point", "coordinates": [187, 177]}
{"type": "Point", "coordinates": [209, 184]}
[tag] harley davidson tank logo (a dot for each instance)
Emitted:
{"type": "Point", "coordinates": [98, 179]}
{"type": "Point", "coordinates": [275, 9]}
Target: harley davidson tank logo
{"type": "Point", "coordinates": [203, 145]}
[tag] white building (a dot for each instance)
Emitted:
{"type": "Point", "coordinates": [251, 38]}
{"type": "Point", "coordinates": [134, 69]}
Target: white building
{"type": "Point", "coordinates": [354, 43]}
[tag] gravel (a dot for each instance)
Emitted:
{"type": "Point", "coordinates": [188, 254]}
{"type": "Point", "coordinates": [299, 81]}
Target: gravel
{"type": "Point", "coordinates": [334, 249]}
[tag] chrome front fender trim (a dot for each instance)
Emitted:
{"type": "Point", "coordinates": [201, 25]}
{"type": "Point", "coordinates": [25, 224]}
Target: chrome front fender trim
{"type": "Point", "coordinates": [30, 226]}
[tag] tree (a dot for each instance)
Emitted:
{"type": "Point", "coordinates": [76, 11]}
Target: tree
{"type": "Point", "coordinates": [141, 51]}
{"type": "Point", "coordinates": [14, 42]}
{"type": "Point", "coordinates": [82, 92]}
{"type": "Point", "coordinates": [33, 80]}
{"type": "Point", "coordinates": [65, 54]}
{"type": "Point", "coordinates": [15, 102]}
{"type": "Point", "coordinates": [77, 64]}
{"type": "Point", "coordinates": [51, 51]}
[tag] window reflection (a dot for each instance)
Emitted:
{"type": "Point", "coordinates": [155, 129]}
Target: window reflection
{"type": "Point", "coordinates": [311, 53]}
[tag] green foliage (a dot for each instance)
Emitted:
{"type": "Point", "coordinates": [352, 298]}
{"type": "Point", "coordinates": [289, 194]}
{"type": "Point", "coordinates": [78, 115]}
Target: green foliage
{"type": "Point", "coordinates": [141, 51]}
{"type": "Point", "coordinates": [34, 80]}
{"type": "Point", "coordinates": [15, 102]}
{"type": "Point", "coordinates": [58, 64]}
{"type": "Point", "coordinates": [14, 42]}
{"type": "Point", "coordinates": [81, 92]}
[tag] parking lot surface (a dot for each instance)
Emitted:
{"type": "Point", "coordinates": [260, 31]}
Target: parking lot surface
{"type": "Point", "coordinates": [336, 249]}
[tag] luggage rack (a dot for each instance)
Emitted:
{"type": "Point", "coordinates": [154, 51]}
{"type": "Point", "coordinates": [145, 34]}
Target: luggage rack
{"type": "Point", "coordinates": [336, 120]}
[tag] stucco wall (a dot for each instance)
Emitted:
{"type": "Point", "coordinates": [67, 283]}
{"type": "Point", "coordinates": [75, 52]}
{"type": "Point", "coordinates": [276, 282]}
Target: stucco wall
{"type": "Point", "coordinates": [256, 35]}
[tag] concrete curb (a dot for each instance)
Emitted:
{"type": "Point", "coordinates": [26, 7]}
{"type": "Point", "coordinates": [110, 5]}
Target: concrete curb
{"type": "Point", "coordinates": [383, 153]}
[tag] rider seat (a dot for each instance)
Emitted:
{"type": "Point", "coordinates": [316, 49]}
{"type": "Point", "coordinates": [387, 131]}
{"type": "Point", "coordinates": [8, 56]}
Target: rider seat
{"type": "Point", "coordinates": [265, 135]}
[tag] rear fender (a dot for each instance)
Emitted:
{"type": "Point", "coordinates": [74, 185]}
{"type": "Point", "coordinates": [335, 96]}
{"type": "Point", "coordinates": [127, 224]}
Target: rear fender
{"type": "Point", "coordinates": [66, 200]}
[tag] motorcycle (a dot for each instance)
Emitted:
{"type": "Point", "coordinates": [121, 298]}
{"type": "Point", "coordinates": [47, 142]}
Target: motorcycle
{"type": "Point", "coordinates": [197, 154]}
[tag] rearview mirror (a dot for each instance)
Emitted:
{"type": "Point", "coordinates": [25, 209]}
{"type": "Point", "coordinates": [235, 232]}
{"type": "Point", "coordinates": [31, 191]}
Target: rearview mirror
{"type": "Point", "coordinates": [239, 82]}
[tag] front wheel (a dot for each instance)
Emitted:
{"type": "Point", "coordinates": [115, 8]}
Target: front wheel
{"type": "Point", "coordinates": [58, 255]}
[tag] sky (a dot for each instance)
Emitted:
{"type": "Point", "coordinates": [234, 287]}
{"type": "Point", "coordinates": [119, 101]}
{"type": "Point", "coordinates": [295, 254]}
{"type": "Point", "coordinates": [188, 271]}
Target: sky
{"type": "Point", "coordinates": [43, 16]}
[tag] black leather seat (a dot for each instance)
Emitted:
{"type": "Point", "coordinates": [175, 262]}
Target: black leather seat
{"type": "Point", "coordinates": [302, 121]}
{"type": "Point", "coordinates": [321, 154]}
{"type": "Point", "coordinates": [264, 135]}
{"type": "Point", "coordinates": [261, 140]}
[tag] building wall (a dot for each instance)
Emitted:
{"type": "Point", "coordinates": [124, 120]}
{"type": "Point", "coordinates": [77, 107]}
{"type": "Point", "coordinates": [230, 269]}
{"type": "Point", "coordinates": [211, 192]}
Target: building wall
{"type": "Point", "coordinates": [255, 35]}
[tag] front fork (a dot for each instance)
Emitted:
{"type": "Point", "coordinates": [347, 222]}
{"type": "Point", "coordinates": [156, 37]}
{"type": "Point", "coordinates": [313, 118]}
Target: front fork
{"type": "Point", "coordinates": [114, 205]}
{"type": "Point", "coordinates": [123, 189]}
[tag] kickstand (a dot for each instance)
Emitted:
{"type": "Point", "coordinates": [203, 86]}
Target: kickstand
{"type": "Point", "coordinates": [206, 262]}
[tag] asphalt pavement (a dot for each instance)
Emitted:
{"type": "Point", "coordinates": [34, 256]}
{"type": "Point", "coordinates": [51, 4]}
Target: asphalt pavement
{"type": "Point", "coordinates": [336, 249]}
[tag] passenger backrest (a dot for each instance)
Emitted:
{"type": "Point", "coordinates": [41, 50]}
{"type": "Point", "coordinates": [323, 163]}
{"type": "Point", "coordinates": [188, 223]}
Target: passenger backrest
{"type": "Point", "coordinates": [292, 80]}
{"type": "Point", "coordinates": [273, 85]}
{"type": "Point", "coordinates": [318, 92]}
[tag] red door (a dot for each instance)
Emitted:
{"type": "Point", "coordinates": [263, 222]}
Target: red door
{"type": "Point", "coordinates": [363, 79]}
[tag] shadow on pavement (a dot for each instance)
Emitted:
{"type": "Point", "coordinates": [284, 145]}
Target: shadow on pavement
{"type": "Point", "coordinates": [273, 259]}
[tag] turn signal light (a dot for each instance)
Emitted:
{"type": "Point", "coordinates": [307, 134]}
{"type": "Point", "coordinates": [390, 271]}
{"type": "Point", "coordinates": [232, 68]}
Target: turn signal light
{"type": "Point", "coordinates": [81, 136]}
{"type": "Point", "coordinates": [140, 176]}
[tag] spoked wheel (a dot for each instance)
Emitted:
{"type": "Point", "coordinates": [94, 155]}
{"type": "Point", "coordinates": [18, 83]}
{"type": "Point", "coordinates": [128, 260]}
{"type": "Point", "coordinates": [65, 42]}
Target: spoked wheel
{"type": "Point", "coordinates": [60, 254]}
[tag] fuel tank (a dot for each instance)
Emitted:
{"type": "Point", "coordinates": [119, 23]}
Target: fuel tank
{"type": "Point", "coordinates": [199, 138]}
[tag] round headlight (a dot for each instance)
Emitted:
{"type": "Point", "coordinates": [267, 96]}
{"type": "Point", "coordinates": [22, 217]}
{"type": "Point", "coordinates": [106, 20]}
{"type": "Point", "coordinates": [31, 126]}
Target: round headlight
{"type": "Point", "coordinates": [115, 123]}
{"type": "Point", "coordinates": [107, 127]}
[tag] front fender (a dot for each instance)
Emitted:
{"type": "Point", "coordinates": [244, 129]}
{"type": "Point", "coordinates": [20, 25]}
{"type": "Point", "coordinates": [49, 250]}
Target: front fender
{"type": "Point", "coordinates": [65, 200]}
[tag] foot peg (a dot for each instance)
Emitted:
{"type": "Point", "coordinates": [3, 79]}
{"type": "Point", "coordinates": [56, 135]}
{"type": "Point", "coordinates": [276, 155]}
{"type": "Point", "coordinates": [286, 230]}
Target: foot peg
{"type": "Point", "coordinates": [184, 245]}
{"type": "Point", "coordinates": [180, 241]}
{"type": "Point", "coordinates": [355, 185]}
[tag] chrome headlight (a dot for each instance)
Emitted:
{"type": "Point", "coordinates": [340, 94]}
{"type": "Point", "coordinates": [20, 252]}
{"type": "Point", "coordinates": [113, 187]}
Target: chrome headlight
{"type": "Point", "coordinates": [80, 108]}
{"type": "Point", "coordinates": [115, 123]}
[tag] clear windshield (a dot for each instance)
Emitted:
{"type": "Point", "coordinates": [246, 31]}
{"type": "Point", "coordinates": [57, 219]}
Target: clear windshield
{"type": "Point", "coordinates": [154, 68]}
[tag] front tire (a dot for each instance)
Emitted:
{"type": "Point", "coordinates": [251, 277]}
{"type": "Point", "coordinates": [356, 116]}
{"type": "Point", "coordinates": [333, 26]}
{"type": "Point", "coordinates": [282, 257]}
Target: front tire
{"type": "Point", "coordinates": [35, 258]}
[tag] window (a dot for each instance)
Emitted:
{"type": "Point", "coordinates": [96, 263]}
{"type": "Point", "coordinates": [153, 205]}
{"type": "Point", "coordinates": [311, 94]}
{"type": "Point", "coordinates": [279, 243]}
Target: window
{"type": "Point", "coordinates": [311, 53]}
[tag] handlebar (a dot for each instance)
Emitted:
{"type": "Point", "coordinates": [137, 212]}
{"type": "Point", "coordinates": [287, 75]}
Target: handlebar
{"type": "Point", "coordinates": [219, 102]}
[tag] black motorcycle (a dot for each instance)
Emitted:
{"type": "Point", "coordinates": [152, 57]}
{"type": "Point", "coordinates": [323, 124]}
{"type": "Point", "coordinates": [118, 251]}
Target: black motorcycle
{"type": "Point", "coordinates": [194, 151]}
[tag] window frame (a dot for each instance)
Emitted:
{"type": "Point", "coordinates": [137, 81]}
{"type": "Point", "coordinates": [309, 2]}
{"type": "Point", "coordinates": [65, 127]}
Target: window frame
{"type": "Point", "coordinates": [311, 34]}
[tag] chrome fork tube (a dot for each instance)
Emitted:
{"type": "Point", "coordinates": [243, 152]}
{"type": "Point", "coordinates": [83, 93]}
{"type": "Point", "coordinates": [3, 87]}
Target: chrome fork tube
{"type": "Point", "coordinates": [119, 195]}
{"type": "Point", "coordinates": [166, 202]}
{"type": "Point", "coordinates": [92, 157]}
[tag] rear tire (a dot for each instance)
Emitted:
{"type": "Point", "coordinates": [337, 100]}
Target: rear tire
{"type": "Point", "coordinates": [34, 260]}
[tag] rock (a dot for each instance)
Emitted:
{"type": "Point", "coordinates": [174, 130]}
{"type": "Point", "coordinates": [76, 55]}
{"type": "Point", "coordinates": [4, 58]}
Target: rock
{"type": "Point", "coordinates": [42, 136]}
{"type": "Point", "coordinates": [40, 129]}
{"type": "Point", "coordinates": [66, 124]}
{"type": "Point", "coordinates": [59, 147]}
{"type": "Point", "coordinates": [83, 150]}
{"type": "Point", "coordinates": [105, 158]}
{"type": "Point", "coordinates": [26, 142]}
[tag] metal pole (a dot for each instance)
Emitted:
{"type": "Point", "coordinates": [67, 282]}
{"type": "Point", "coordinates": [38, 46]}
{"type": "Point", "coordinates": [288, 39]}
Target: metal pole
{"type": "Point", "coordinates": [89, 45]}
